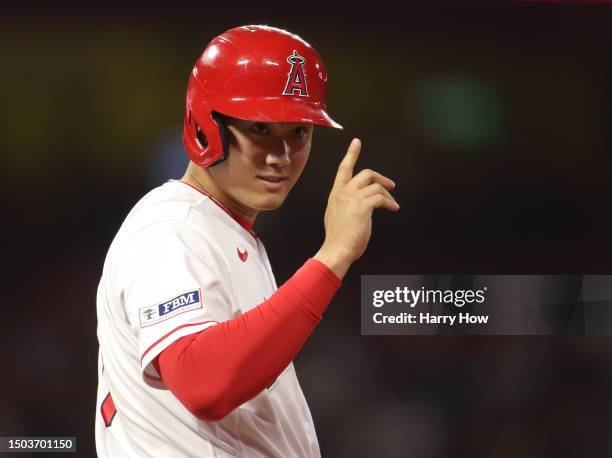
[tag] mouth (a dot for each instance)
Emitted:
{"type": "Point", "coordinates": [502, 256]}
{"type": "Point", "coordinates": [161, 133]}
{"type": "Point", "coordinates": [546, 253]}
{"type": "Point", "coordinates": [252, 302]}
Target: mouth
{"type": "Point", "coordinates": [272, 178]}
{"type": "Point", "coordinates": [273, 182]}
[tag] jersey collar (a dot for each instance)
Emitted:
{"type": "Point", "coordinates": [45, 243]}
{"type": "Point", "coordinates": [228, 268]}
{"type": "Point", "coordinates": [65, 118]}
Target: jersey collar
{"type": "Point", "coordinates": [244, 222]}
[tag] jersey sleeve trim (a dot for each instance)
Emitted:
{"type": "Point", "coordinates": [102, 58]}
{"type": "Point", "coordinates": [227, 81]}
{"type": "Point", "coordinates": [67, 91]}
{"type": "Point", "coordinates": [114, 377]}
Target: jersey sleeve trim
{"type": "Point", "coordinates": [197, 327]}
{"type": "Point", "coordinates": [153, 377]}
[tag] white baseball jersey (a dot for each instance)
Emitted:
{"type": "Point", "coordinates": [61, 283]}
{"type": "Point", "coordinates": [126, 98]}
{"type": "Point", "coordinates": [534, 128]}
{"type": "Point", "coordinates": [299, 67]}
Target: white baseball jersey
{"type": "Point", "coordinates": [179, 264]}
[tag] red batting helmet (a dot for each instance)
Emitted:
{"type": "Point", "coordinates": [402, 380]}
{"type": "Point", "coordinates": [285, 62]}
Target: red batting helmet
{"type": "Point", "coordinates": [256, 73]}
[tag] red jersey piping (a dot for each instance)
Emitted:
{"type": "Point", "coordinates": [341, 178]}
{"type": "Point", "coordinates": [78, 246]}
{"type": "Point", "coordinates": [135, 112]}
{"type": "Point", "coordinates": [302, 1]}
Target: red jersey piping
{"type": "Point", "coordinates": [171, 332]}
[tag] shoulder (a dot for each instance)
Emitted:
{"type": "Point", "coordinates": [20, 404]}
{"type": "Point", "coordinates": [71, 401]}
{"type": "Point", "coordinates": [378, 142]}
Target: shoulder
{"type": "Point", "coordinates": [168, 203]}
{"type": "Point", "coordinates": [169, 216]}
{"type": "Point", "coordinates": [169, 245]}
{"type": "Point", "coordinates": [172, 204]}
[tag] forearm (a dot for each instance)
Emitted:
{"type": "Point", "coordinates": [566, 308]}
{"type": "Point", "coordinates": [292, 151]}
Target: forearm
{"type": "Point", "coordinates": [337, 263]}
{"type": "Point", "coordinates": [215, 371]}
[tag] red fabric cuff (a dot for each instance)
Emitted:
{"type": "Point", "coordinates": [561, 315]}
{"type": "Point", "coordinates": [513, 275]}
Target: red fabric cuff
{"type": "Point", "coordinates": [312, 288]}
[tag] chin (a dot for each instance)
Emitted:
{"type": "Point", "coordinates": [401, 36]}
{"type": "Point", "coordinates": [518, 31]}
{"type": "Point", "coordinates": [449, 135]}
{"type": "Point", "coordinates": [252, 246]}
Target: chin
{"type": "Point", "coordinates": [270, 203]}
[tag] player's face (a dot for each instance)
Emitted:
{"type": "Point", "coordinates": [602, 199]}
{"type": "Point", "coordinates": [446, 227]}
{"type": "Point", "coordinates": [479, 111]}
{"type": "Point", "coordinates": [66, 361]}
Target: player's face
{"type": "Point", "coordinates": [265, 160]}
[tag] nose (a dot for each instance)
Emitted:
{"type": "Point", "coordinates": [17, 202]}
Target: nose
{"type": "Point", "coordinates": [279, 155]}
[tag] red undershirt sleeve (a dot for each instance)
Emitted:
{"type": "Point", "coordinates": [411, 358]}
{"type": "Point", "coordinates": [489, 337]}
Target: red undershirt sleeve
{"type": "Point", "coordinates": [216, 370]}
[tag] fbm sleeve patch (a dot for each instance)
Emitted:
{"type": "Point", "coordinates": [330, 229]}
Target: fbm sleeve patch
{"type": "Point", "coordinates": [154, 314]}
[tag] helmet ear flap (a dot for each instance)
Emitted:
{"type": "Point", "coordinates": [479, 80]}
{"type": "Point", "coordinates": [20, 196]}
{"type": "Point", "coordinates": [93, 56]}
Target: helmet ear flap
{"type": "Point", "coordinates": [206, 137]}
{"type": "Point", "coordinates": [200, 137]}
{"type": "Point", "coordinates": [224, 134]}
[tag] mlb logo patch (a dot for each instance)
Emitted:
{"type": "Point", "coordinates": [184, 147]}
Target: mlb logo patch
{"type": "Point", "coordinates": [183, 303]}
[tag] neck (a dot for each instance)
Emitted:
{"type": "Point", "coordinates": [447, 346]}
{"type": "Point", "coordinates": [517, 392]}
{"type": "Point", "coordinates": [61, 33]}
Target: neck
{"type": "Point", "coordinates": [201, 177]}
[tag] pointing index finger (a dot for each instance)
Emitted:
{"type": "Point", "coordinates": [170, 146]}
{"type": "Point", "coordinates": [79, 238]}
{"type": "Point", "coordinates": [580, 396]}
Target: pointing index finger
{"type": "Point", "coordinates": [347, 165]}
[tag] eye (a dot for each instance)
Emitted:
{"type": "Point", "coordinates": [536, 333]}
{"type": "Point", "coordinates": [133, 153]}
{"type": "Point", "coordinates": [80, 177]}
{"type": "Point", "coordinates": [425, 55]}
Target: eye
{"type": "Point", "coordinates": [299, 131]}
{"type": "Point", "coordinates": [260, 128]}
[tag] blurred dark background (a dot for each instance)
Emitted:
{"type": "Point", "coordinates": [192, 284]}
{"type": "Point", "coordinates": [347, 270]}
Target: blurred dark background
{"type": "Point", "coordinates": [494, 120]}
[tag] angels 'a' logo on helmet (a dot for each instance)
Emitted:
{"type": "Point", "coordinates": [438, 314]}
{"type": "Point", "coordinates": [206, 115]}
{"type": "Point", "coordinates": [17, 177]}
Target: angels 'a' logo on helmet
{"type": "Point", "coordinates": [296, 79]}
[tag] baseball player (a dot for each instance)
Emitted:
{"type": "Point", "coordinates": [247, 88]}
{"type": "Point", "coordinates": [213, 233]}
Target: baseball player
{"type": "Point", "coordinates": [196, 340]}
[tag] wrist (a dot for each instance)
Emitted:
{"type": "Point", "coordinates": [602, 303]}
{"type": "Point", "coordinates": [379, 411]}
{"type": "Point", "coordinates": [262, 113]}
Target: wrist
{"type": "Point", "coordinates": [335, 262]}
